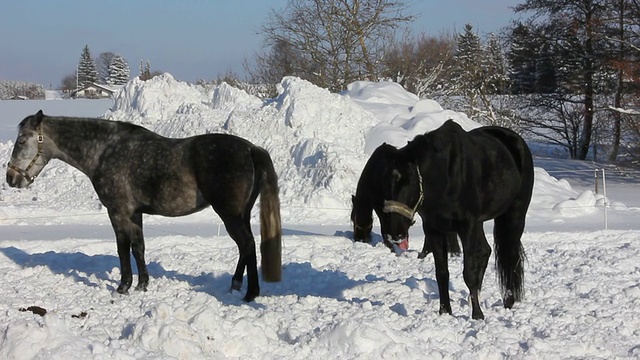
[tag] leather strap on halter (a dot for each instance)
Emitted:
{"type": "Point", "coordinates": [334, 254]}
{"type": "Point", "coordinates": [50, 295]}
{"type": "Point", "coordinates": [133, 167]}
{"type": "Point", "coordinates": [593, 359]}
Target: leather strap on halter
{"type": "Point", "coordinates": [25, 173]}
{"type": "Point", "coordinates": [391, 206]}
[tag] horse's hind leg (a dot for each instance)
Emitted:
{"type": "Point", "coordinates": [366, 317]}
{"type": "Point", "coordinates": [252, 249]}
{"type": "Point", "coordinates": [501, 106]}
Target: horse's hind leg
{"type": "Point", "coordinates": [240, 231]}
{"type": "Point", "coordinates": [137, 248]}
{"type": "Point", "coordinates": [476, 256]}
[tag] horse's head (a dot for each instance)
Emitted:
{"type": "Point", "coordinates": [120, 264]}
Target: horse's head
{"type": "Point", "coordinates": [404, 195]}
{"type": "Point", "coordinates": [362, 220]}
{"type": "Point", "coordinates": [28, 157]}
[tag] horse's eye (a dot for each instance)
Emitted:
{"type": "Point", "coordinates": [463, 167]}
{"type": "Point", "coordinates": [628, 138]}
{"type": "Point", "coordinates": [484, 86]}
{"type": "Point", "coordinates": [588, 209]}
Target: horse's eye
{"type": "Point", "coordinates": [21, 141]}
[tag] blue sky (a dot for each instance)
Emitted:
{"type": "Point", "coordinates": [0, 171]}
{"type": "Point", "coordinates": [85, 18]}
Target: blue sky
{"type": "Point", "coordinates": [41, 41]}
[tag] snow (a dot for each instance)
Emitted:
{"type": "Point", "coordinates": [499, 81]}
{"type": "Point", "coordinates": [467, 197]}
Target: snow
{"type": "Point", "coordinates": [338, 299]}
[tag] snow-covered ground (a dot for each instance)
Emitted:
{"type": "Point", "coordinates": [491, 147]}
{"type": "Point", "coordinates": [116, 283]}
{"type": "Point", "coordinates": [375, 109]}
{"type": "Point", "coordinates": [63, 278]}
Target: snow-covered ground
{"type": "Point", "coordinates": [338, 299]}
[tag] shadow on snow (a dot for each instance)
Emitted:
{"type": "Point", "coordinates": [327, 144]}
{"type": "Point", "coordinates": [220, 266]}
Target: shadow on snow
{"type": "Point", "coordinates": [300, 279]}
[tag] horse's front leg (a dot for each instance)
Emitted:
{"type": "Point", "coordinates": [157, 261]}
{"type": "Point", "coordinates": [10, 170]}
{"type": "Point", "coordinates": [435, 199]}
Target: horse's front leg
{"type": "Point", "coordinates": [476, 256]}
{"type": "Point", "coordinates": [437, 241]}
{"type": "Point", "coordinates": [129, 235]}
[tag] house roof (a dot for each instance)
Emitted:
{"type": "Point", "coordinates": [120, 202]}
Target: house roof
{"type": "Point", "coordinates": [109, 89]}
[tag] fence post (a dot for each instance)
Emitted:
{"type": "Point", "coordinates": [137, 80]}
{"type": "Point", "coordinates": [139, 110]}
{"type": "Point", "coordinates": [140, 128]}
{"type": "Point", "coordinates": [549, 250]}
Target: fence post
{"type": "Point", "coordinates": [595, 175]}
{"type": "Point", "coordinates": [604, 192]}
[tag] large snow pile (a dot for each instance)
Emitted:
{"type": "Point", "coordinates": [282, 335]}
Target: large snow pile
{"type": "Point", "coordinates": [319, 141]}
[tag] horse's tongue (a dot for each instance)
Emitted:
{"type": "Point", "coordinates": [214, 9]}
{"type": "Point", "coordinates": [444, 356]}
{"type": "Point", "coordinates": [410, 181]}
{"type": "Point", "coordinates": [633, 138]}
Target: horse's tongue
{"type": "Point", "coordinates": [404, 245]}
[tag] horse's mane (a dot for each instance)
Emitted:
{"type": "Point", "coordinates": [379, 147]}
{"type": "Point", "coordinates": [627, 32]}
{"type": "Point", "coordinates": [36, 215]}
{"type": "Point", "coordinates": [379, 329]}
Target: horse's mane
{"type": "Point", "coordinates": [95, 121]}
{"type": "Point", "coordinates": [73, 119]}
{"type": "Point", "coordinates": [91, 124]}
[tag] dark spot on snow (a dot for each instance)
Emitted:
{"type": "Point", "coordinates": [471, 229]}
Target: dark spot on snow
{"type": "Point", "coordinates": [82, 315]}
{"type": "Point", "coordinates": [34, 309]}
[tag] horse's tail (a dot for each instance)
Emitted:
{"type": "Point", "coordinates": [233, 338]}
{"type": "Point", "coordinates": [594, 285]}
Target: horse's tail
{"type": "Point", "coordinates": [453, 246]}
{"type": "Point", "coordinates": [270, 224]}
{"type": "Point", "coordinates": [510, 259]}
{"type": "Point", "coordinates": [509, 252]}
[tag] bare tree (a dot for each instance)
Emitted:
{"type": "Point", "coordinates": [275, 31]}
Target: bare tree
{"type": "Point", "coordinates": [421, 64]}
{"type": "Point", "coordinates": [270, 67]}
{"type": "Point", "coordinates": [69, 83]}
{"type": "Point", "coordinates": [333, 42]}
{"type": "Point", "coordinates": [624, 36]}
{"type": "Point", "coordinates": [102, 66]}
{"type": "Point", "coordinates": [20, 89]}
{"type": "Point", "coordinates": [575, 29]}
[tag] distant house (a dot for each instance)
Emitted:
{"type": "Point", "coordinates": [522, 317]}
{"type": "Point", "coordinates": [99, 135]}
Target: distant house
{"type": "Point", "coordinates": [20, 97]}
{"type": "Point", "coordinates": [96, 91]}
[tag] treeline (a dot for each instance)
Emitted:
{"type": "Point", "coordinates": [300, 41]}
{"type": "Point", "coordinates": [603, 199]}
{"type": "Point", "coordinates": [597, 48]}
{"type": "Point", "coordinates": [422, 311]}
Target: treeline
{"type": "Point", "coordinates": [20, 90]}
{"type": "Point", "coordinates": [108, 69]}
{"type": "Point", "coordinates": [567, 73]}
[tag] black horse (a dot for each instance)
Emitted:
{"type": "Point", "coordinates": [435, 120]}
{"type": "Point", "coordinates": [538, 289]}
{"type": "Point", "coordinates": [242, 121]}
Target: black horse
{"type": "Point", "coordinates": [136, 171]}
{"type": "Point", "coordinates": [371, 192]}
{"type": "Point", "coordinates": [457, 180]}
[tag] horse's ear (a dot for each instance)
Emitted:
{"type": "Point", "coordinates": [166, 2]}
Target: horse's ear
{"type": "Point", "coordinates": [39, 115]}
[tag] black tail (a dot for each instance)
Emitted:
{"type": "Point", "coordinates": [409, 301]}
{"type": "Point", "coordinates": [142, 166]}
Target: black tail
{"type": "Point", "coordinates": [453, 246]}
{"type": "Point", "coordinates": [508, 228]}
{"type": "Point", "coordinates": [510, 259]}
{"type": "Point", "coordinates": [270, 224]}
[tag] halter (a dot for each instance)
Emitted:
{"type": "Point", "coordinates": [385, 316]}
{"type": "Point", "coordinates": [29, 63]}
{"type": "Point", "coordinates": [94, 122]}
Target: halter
{"type": "Point", "coordinates": [25, 173]}
{"type": "Point", "coordinates": [391, 206]}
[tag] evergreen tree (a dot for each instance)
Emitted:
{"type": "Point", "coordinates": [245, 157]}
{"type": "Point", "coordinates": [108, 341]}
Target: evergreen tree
{"type": "Point", "coordinates": [545, 74]}
{"type": "Point", "coordinates": [87, 73]}
{"type": "Point", "coordinates": [522, 59]}
{"type": "Point", "coordinates": [145, 71]}
{"type": "Point", "coordinates": [494, 67]}
{"type": "Point", "coordinates": [478, 73]}
{"type": "Point", "coordinates": [118, 72]}
{"type": "Point", "coordinates": [467, 69]}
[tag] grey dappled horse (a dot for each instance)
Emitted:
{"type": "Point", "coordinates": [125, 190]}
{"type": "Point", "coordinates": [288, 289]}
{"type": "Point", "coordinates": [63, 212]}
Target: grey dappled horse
{"type": "Point", "coordinates": [136, 171]}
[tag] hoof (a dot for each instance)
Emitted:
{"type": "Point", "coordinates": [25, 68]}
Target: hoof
{"type": "Point", "coordinates": [445, 310]}
{"type": "Point", "coordinates": [477, 315]}
{"type": "Point", "coordinates": [423, 254]}
{"type": "Point", "coordinates": [508, 302]}
{"type": "Point", "coordinates": [141, 287]}
{"type": "Point", "coordinates": [123, 289]}
{"type": "Point", "coordinates": [236, 285]}
{"type": "Point", "coordinates": [249, 297]}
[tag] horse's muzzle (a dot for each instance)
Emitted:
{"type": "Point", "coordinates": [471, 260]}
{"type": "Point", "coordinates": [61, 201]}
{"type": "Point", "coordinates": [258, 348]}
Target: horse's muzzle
{"type": "Point", "coordinates": [14, 179]}
{"type": "Point", "coordinates": [402, 242]}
